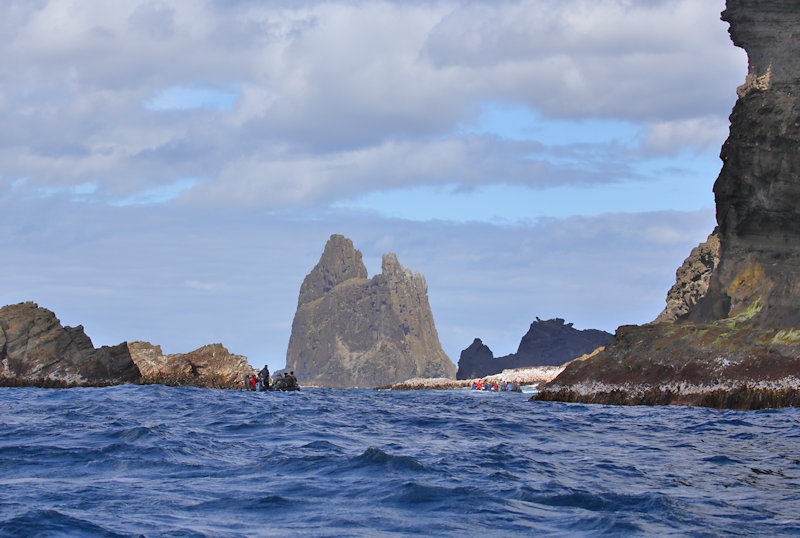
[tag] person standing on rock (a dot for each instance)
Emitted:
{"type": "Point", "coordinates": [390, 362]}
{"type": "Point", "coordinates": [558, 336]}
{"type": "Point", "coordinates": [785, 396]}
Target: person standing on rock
{"type": "Point", "coordinates": [264, 375]}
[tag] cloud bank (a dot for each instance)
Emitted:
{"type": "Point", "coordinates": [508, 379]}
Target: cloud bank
{"type": "Point", "coordinates": [170, 171]}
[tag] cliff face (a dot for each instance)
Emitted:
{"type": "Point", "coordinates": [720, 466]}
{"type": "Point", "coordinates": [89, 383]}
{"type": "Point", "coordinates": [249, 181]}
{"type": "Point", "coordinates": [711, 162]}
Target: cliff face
{"type": "Point", "coordinates": [350, 331]}
{"type": "Point", "coordinates": [35, 347]}
{"type": "Point", "coordinates": [208, 366]}
{"type": "Point", "coordinates": [744, 330]}
{"type": "Point", "coordinates": [758, 190]}
{"type": "Point", "coordinates": [547, 343]}
{"type": "Point", "coordinates": [691, 280]}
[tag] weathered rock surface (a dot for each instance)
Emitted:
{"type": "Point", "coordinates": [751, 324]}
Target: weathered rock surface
{"type": "Point", "coordinates": [758, 190]}
{"type": "Point", "coordinates": [351, 331]}
{"type": "Point", "coordinates": [35, 348]}
{"type": "Point", "coordinates": [745, 330]}
{"type": "Point", "coordinates": [691, 280]}
{"type": "Point", "coordinates": [547, 343]}
{"type": "Point", "coordinates": [208, 366]}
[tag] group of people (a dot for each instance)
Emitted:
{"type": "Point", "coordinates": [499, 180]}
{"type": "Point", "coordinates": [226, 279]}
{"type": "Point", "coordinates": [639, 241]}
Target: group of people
{"type": "Point", "coordinates": [493, 385]}
{"type": "Point", "coordinates": [261, 382]}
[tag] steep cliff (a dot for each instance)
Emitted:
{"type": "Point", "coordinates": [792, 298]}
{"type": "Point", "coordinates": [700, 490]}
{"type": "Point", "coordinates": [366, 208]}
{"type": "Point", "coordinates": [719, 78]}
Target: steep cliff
{"type": "Point", "coordinates": [758, 190]}
{"type": "Point", "coordinates": [744, 331]}
{"type": "Point", "coordinates": [547, 343]}
{"type": "Point", "coordinates": [35, 349]}
{"type": "Point", "coordinates": [351, 331]}
{"type": "Point", "coordinates": [209, 366]}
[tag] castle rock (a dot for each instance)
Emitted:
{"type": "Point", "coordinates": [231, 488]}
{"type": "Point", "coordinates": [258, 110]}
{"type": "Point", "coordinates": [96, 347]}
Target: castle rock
{"type": "Point", "coordinates": [352, 331]}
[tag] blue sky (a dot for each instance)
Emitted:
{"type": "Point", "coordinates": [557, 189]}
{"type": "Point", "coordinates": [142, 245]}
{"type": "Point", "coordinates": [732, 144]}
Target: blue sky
{"type": "Point", "coordinates": [170, 171]}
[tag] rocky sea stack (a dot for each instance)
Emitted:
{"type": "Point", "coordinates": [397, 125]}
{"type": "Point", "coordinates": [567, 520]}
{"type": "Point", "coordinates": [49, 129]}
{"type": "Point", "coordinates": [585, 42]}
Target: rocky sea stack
{"type": "Point", "coordinates": [549, 342]}
{"type": "Point", "coordinates": [351, 331]}
{"type": "Point", "coordinates": [35, 349]}
{"type": "Point", "coordinates": [742, 334]}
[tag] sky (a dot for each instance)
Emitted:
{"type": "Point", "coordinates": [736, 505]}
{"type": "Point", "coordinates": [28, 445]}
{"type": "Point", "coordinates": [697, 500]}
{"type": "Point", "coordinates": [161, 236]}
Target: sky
{"type": "Point", "coordinates": [171, 171]}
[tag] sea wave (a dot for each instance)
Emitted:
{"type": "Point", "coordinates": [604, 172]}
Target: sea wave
{"type": "Point", "coordinates": [161, 461]}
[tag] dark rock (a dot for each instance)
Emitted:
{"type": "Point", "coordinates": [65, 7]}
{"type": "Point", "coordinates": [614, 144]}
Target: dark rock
{"type": "Point", "coordinates": [547, 343]}
{"type": "Point", "coordinates": [745, 330]}
{"type": "Point", "coordinates": [350, 331]}
{"type": "Point", "coordinates": [758, 189]}
{"type": "Point", "coordinates": [35, 347]}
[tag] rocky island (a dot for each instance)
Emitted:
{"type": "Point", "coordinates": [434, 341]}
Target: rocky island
{"type": "Point", "coordinates": [353, 331]}
{"type": "Point", "coordinates": [549, 342]}
{"type": "Point", "coordinates": [36, 350]}
{"type": "Point", "coordinates": [734, 342]}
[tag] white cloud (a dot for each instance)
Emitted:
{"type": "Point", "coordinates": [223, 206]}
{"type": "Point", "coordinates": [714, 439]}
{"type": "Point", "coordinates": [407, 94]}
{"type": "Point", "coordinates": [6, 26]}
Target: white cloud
{"type": "Point", "coordinates": [361, 96]}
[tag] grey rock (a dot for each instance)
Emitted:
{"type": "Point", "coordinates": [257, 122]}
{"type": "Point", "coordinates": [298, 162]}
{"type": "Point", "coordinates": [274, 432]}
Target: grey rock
{"type": "Point", "coordinates": [351, 331]}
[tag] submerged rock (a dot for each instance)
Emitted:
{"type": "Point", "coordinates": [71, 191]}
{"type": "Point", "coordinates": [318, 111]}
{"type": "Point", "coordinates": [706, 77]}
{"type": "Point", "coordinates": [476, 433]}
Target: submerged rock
{"type": "Point", "coordinates": [351, 331]}
{"type": "Point", "coordinates": [742, 334]}
{"type": "Point", "coordinates": [547, 343]}
{"type": "Point", "coordinates": [35, 349]}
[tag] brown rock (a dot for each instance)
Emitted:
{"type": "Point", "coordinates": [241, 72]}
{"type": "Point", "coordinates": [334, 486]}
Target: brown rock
{"type": "Point", "coordinates": [211, 366]}
{"type": "Point", "coordinates": [34, 347]}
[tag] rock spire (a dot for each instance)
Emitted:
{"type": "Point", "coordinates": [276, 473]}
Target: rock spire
{"type": "Point", "coordinates": [351, 331]}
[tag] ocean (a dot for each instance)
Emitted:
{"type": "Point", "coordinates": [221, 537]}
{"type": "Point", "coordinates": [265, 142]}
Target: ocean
{"type": "Point", "coordinates": [166, 461]}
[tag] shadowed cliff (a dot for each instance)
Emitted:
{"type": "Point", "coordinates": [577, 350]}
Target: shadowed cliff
{"type": "Point", "coordinates": [742, 328]}
{"type": "Point", "coordinates": [547, 343]}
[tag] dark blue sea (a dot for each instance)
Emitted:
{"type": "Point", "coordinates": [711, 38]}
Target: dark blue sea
{"type": "Point", "coordinates": [161, 461]}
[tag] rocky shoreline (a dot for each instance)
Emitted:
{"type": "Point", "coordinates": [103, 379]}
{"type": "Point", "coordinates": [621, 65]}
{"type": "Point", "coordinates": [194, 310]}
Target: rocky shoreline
{"type": "Point", "coordinates": [743, 397]}
{"type": "Point", "coordinates": [522, 376]}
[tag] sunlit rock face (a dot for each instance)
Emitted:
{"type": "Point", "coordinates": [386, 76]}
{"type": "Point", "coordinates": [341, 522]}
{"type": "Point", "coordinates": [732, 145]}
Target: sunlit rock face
{"type": "Point", "coordinates": [351, 331]}
{"type": "Point", "coordinates": [211, 365]}
{"type": "Point", "coordinates": [691, 280]}
{"type": "Point", "coordinates": [35, 349]}
{"type": "Point", "coordinates": [745, 328]}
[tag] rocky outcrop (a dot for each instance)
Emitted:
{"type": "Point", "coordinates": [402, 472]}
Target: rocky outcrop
{"type": "Point", "coordinates": [208, 366]}
{"type": "Point", "coordinates": [547, 343]}
{"type": "Point", "coordinates": [35, 349]}
{"type": "Point", "coordinates": [743, 335]}
{"type": "Point", "coordinates": [351, 331]}
{"type": "Point", "coordinates": [691, 280]}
